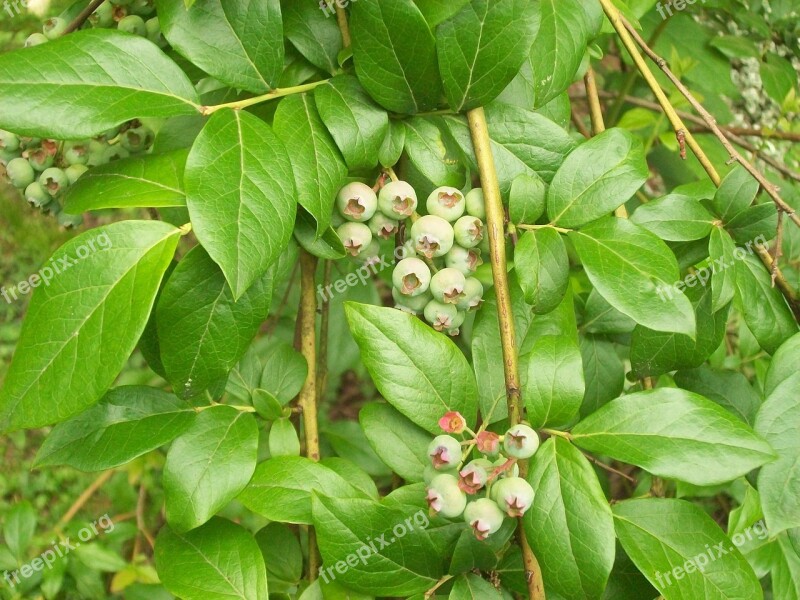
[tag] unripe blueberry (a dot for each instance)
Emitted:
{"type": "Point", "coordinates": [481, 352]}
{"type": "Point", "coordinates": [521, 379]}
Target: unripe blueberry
{"type": "Point", "coordinates": [357, 202]}
{"type": "Point", "coordinates": [444, 496]}
{"type": "Point", "coordinates": [143, 7]}
{"type": "Point", "coordinates": [411, 304]}
{"type": "Point", "coordinates": [74, 172]}
{"type": "Point", "coordinates": [468, 231]}
{"type": "Point", "coordinates": [54, 180]}
{"type": "Point", "coordinates": [445, 452]}
{"type": "Point", "coordinates": [138, 139]}
{"type": "Point", "coordinates": [37, 195]}
{"type": "Point", "coordinates": [133, 24]}
{"type": "Point", "coordinates": [473, 295]}
{"type": "Point", "coordinates": [432, 235]}
{"type": "Point", "coordinates": [520, 441]}
{"type": "Point", "coordinates": [455, 325]}
{"type": "Point", "coordinates": [54, 27]}
{"type": "Point", "coordinates": [407, 250]}
{"type": "Point", "coordinates": [20, 173]}
{"type": "Point", "coordinates": [382, 226]}
{"type": "Point", "coordinates": [109, 134]}
{"type": "Point", "coordinates": [513, 495]}
{"type": "Point", "coordinates": [453, 422]}
{"type": "Point", "coordinates": [7, 156]}
{"type": "Point", "coordinates": [397, 200]}
{"type": "Point", "coordinates": [116, 152]}
{"type": "Point", "coordinates": [441, 316]}
{"type": "Point", "coordinates": [488, 443]}
{"type": "Point", "coordinates": [473, 477]}
{"type": "Point", "coordinates": [446, 202]}
{"type": "Point", "coordinates": [466, 260]}
{"type": "Point", "coordinates": [68, 221]}
{"type": "Point", "coordinates": [154, 31]}
{"type": "Point", "coordinates": [76, 153]}
{"type": "Point", "coordinates": [484, 516]}
{"type": "Point", "coordinates": [369, 255]}
{"type": "Point", "coordinates": [40, 158]}
{"type": "Point", "coordinates": [447, 285]}
{"type": "Point", "coordinates": [8, 141]}
{"type": "Point", "coordinates": [35, 39]}
{"type": "Point", "coordinates": [355, 237]}
{"type": "Point", "coordinates": [411, 277]}
{"type": "Point", "coordinates": [476, 205]}
{"type": "Point", "coordinates": [103, 16]}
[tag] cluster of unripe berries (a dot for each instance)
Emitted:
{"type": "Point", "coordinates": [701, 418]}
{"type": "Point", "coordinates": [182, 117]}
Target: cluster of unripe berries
{"type": "Point", "coordinates": [132, 16]}
{"type": "Point", "coordinates": [43, 169]}
{"type": "Point", "coordinates": [485, 490]}
{"type": "Point", "coordinates": [437, 255]}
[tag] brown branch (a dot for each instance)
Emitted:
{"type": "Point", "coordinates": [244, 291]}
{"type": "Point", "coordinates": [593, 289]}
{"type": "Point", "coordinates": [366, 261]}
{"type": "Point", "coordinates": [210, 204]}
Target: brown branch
{"type": "Point", "coordinates": [81, 501]}
{"type": "Point", "coordinates": [778, 250]}
{"type": "Point", "coordinates": [576, 120]}
{"type": "Point", "coordinates": [82, 16]}
{"type": "Point", "coordinates": [606, 467]}
{"type": "Point", "coordinates": [324, 325]}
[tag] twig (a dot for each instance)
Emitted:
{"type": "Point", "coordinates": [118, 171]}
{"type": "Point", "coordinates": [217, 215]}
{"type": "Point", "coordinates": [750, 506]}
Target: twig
{"type": "Point", "coordinates": [322, 360]}
{"type": "Point", "coordinates": [430, 593]}
{"type": "Point", "coordinates": [82, 16]}
{"type": "Point", "coordinates": [495, 223]}
{"type": "Point", "coordinates": [81, 501]}
{"type": "Point", "coordinates": [277, 93]}
{"type": "Point", "coordinates": [778, 250]}
{"type": "Point", "coordinates": [579, 124]}
{"type": "Point", "coordinates": [606, 467]}
{"type": "Point", "coordinates": [341, 19]}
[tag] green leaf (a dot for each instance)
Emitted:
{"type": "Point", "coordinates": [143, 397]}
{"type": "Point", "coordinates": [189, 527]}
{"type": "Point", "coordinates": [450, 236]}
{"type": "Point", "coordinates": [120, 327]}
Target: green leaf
{"type": "Point", "coordinates": [393, 144]}
{"type": "Point", "coordinates": [482, 47]}
{"type": "Point", "coordinates": [526, 199]}
{"type": "Point", "coordinates": [314, 33]}
{"type": "Point", "coordinates": [348, 441]}
{"type": "Point", "coordinates": [285, 372]}
{"type": "Point", "coordinates": [395, 55]}
{"type": "Point", "coordinates": [600, 317]}
{"type": "Point", "coordinates": [597, 177]}
{"type": "Point", "coordinates": [734, 46]}
{"type": "Point", "coordinates": [218, 561]}
{"type": "Point", "coordinates": [82, 327]}
{"type": "Point", "coordinates": [350, 471]}
{"type": "Point", "coordinates": [723, 277]}
{"type": "Point", "coordinates": [357, 124]}
{"type": "Point", "coordinates": [783, 365]}
{"type": "Point", "coordinates": [764, 308]}
{"type": "Point", "coordinates": [786, 571]}
{"type": "Point", "coordinates": [566, 28]}
{"type": "Point", "coordinates": [569, 526]}
{"type": "Point", "coordinates": [397, 441]}
{"type": "Point", "coordinates": [241, 195]}
{"type": "Point", "coordinates": [202, 332]}
{"type": "Point", "coordinates": [779, 482]}
{"type": "Point", "coordinates": [318, 168]}
{"type": "Point", "coordinates": [656, 352]}
{"type": "Point", "coordinates": [675, 218]}
{"type": "Point", "coordinates": [542, 266]}
{"type": "Point", "coordinates": [239, 42]}
{"type": "Point", "coordinates": [283, 440]}
{"type": "Point", "coordinates": [645, 428]}
{"type": "Point", "coordinates": [778, 77]}
{"type": "Point", "coordinates": [603, 371]}
{"type": "Point", "coordinates": [729, 389]}
{"type": "Point", "coordinates": [152, 180]}
{"type": "Point", "coordinates": [438, 11]}
{"type": "Point", "coordinates": [672, 542]}
{"type": "Point", "coordinates": [128, 422]}
{"type": "Point", "coordinates": [121, 77]}
{"type": "Point", "coordinates": [282, 553]}
{"type": "Point", "coordinates": [328, 245]}
{"type": "Point", "coordinates": [209, 465]}
{"type": "Point", "coordinates": [523, 142]}
{"type": "Point", "coordinates": [552, 381]}
{"type": "Point", "coordinates": [397, 349]}
{"type": "Point", "coordinates": [473, 587]}
{"type": "Point", "coordinates": [630, 267]}
{"type": "Point", "coordinates": [19, 526]}
{"type": "Point", "coordinates": [755, 224]}
{"type": "Point", "coordinates": [404, 564]}
{"type": "Point", "coordinates": [736, 192]}
{"type": "Point", "coordinates": [281, 488]}
{"type": "Point", "coordinates": [430, 155]}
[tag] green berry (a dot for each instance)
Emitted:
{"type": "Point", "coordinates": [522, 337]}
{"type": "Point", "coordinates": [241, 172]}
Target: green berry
{"type": "Point", "coordinates": [37, 195]}
{"type": "Point", "coordinates": [357, 202]}
{"type": "Point", "coordinates": [369, 255]}
{"type": "Point", "coordinates": [520, 441]}
{"type": "Point", "coordinates": [411, 277]}
{"type": "Point", "coordinates": [116, 152]}
{"type": "Point", "coordinates": [447, 285]}
{"type": "Point", "coordinates": [6, 156]}
{"type": "Point", "coordinates": [144, 8]}
{"type": "Point", "coordinates": [54, 27]}
{"type": "Point", "coordinates": [154, 31]}
{"type": "Point", "coordinates": [397, 200]}
{"type": "Point", "coordinates": [476, 205]}
{"type": "Point", "coordinates": [444, 452]}
{"type": "Point", "coordinates": [513, 495]}
{"type": "Point", "coordinates": [40, 158]}
{"type": "Point", "coordinates": [133, 24]}
{"type": "Point", "coordinates": [137, 139]}
{"type": "Point", "coordinates": [468, 231]}
{"type": "Point", "coordinates": [456, 323]}
{"type": "Point", "coordinates": [74, 172]}
{"type": "Point", "coordinates": [484, 516]}
{"type": "Point", "coordinates": [406, 250]}
{"type": "Point", "coordinates": [8, 141]}
{"type": "Point", "coordinates": [382, 226]}
{"type": "Point", "coordinates": [54, 180]}
{"type": "Point", "coordinates": [355, 237]}
{"type": "Point", "coordinates": [432, 235]}
{"type": "Point", "coordinates": [446, 202]}
{"type": "Point", "coordinates": [35, 39]}
{"type": "Point", "coordinates": [473, 476]}
{"type": "Point", "coordinates": [20, 173]}
{"type": "Point", "coordinates": [76, 153]}
{"type": "Point", "coordinates": [465, 260]}
{"type": "Point", "coordinates": [441, 316]}
{"type": "Point", "coordinates": [103, 16]}
{"type": "Point", "coordinates": [411, 304]}
{"type": "Point", "coordinates": [68, 221]}
{"type": "Point", "coordinates": [444, 496]}
{"type": "Point", "coordinates": [473, 294]}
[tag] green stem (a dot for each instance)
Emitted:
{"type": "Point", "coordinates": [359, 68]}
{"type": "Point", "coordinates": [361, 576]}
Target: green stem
{"type": "Point", "coordinates": [547, 226]}
{"type": "Point", "coordinates": [277, 93]}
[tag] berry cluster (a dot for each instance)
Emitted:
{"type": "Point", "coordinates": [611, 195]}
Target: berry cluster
{"type": "Point", "coordinates": [434, 274]}
{"type": "Point", "coordinates": [132, 16]}
{"type": "Point", "coordinates": [495, 475]}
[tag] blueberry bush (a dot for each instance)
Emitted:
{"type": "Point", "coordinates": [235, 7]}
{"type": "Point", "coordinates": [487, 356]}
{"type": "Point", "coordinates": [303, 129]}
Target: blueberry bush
{"type": "Point", "coordinates": [406, 299]}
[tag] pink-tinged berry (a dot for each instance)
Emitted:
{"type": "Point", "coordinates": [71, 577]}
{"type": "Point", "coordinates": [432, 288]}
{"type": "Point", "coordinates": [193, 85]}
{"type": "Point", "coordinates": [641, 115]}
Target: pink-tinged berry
{"type": "Point", "coordinates": [444, 496]}
{"type": "Point", "coordinates": [488, 442]}
{"type": "Point", "coordinates": [513, 495]}
{"type": "Point", "coordinates": [484, 516]}
{"type": "Point", "coordinates": [521, 441]}
{"type": "Point", "coordinates": [357, 202]}
{"type": "Point", "coordinates": [445, 452]}
{"type": "Point", "coordinates": [447, 203]}
{"type": "Point", "coordinates": [472, 477]}
{"type": "Point", "coordinates": [453, 422]}
{"type": "Point", "coordinates": [397, 200]}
